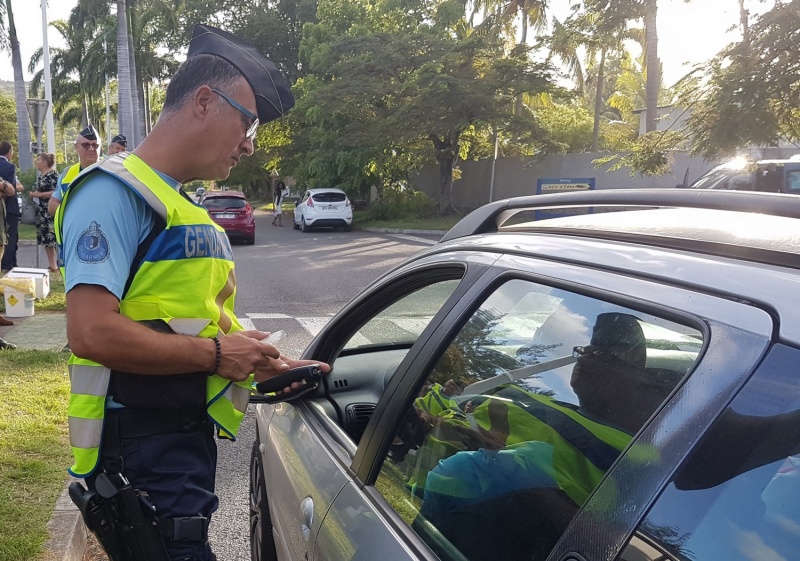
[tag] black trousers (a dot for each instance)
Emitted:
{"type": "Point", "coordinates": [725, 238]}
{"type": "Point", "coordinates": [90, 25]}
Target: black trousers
{"type": "Point", "coordinates": [10, 254]}
{"type": "Point", "coordinates": [177, 469]}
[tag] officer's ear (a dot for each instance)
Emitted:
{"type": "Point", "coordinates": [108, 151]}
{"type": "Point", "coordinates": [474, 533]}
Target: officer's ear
{"type": "Point", "coordinates": [203, 102]}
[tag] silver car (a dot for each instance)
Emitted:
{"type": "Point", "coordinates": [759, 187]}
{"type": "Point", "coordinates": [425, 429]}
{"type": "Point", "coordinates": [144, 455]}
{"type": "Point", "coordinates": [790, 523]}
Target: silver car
{"type": "Point", "coordinates": [618, 384]}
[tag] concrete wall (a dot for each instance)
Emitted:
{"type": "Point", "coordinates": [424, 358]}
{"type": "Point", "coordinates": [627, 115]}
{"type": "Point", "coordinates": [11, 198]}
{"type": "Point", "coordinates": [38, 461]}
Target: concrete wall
{"type": "Point", "coordinates": [515, 177]}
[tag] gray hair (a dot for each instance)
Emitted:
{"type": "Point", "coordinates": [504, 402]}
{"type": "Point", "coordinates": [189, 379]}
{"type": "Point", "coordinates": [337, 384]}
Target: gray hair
{"type": "Point", "coordinates": [196, 71]}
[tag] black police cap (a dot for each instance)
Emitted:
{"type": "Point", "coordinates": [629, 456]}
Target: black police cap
{"type": "Point", "coordinates": [120, 139]}
{"type": "Point", "coordinates": [89, 133]}
{"type": "Point", "coordinates": [273, 95]}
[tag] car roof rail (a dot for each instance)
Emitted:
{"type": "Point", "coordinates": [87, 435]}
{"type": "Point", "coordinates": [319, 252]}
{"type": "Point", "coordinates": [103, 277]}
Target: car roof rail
{"type": "Point", "coordinates": [489, 218]}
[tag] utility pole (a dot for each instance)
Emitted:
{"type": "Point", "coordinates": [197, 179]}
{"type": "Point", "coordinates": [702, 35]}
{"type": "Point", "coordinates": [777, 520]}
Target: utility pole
{"type": "Point", "coordinates": [48, 89]}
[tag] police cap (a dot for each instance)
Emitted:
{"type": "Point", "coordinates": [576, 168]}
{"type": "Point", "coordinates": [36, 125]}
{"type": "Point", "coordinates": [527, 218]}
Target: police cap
{"type": "Point", "coordinates": [273, 95]}
{"type": "Point", "coordinates": [120, 139]}
{"type": "Point", "coordinates": [89, 133]}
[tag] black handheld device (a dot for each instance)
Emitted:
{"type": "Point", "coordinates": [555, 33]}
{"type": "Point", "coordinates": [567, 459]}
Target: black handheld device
{"type": "Point", "coordinates": [310, 375]}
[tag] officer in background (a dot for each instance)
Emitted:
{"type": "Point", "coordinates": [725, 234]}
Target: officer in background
{"type": "Point", "coordinates": [118, 144]}
{"type": "Point", "coordinates": [87, 146]}
{"type": "Point", "coordinates": [158, 367]}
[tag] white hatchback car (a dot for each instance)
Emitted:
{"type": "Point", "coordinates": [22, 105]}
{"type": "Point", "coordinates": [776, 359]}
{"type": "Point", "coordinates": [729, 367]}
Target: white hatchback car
{"type": "Point", "coordinates": [323, 208]}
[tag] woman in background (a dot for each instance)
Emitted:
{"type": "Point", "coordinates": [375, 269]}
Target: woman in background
{"type": "Point", "coordinates": [42, 189]}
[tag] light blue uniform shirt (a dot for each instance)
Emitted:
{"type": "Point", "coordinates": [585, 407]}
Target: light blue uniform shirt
{"type": "Point", "coordinates": [107, 221]}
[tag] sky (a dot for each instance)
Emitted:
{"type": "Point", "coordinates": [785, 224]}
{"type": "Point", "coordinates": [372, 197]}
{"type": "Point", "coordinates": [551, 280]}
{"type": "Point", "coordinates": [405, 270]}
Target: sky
{"type": "Point", "coordinates": [688, 33]}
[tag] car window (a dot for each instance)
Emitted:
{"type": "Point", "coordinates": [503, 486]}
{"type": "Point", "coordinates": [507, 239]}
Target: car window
{"type": "Point", "coordinates": [522, 415]}
{"type": "Point", "coordinates": [401, 323]}
{"type": "Point", "coordinates": [736, 496]}
{"type": "Point", "coordinates": [329, 197]}
{"type": "Point", "coordinates": [793, 182]}
{"type": "Point", "coordinates": [219, 203]}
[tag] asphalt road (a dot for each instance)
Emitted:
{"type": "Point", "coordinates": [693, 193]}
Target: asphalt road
{"type": "Point", "coordinates": [293, 282]}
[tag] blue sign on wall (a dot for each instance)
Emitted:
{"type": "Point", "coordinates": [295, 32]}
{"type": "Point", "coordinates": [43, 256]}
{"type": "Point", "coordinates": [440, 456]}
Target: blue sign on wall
{"type": "Point", "coordinates": [562, 185]}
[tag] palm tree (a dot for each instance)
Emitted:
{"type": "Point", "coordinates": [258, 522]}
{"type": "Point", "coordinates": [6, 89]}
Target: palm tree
{"type": "Point", "coordinates": [9, 41]}
{"type": "Point", "coordinates": [124, 89]}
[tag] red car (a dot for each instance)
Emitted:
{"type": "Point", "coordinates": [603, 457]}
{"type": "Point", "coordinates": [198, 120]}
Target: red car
{"type": "Point", "coordinates": [231, 210]}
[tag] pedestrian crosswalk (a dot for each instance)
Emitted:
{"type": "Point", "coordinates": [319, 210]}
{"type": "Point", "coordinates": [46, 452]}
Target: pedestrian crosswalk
{"type": "Point", "coordinates": [311, 325]}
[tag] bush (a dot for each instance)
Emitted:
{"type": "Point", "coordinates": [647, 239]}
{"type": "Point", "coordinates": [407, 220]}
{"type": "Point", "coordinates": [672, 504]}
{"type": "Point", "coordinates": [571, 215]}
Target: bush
{"type": "Point", "coordinates": [399, 201]}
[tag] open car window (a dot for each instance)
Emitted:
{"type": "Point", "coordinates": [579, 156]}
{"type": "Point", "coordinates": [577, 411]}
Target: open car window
{"type": "Point", "coordinates": [523, 414]}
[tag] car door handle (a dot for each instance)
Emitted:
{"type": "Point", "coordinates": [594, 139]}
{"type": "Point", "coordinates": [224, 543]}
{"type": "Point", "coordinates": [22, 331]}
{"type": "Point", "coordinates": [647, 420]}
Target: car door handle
{"type": "Point", "coordinates": [307, 515]}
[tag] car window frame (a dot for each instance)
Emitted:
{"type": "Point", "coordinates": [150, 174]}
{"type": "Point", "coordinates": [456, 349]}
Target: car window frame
{"type": "Point", "coordinates": [649, 296]}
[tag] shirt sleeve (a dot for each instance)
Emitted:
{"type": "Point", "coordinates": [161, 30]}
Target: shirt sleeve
{"type": "Point", "coordinates": [104, 224]}
{"type": "Point", "coordinates": [58, 193]}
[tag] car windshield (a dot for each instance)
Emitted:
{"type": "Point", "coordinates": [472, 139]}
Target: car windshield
{"type": "Point", "coordinates": [713, 179]}
{"type": "Point", "coordinates": [329, 197]}
{"type": "Point", "coordinates": [219, 203]}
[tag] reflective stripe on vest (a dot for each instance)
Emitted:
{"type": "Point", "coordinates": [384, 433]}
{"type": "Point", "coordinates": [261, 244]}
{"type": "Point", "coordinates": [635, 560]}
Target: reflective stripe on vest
{"type": "Point", "coordinates": [191, 246]}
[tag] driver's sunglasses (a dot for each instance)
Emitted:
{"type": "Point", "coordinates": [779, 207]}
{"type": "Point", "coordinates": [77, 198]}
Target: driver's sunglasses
{"type": "Point", "coordinates": [251, 119]}
{"type": "Point", "coordinates": [89, 145]}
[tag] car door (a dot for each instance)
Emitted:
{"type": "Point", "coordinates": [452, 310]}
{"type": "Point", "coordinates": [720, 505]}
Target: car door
{"type": "Point", "coordinates": [477, 472]}
{"type": "Point", "coordinates": [308, 448]}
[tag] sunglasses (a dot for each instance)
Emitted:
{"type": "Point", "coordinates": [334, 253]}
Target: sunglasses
{"type": "Point", "coordinates": [251, 119]}
{"type": "Point", "coordinates": [88, 145]}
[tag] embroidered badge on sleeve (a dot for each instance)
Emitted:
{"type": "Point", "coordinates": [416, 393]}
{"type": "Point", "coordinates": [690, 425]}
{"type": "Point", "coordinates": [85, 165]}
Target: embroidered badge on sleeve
{"type": "Point", "coordinates": [92, 246]}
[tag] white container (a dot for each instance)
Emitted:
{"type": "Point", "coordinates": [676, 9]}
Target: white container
{"type": "Point", "coordinates": [18, 305]}
{"type": "Point", "coordinates": [41, 276]}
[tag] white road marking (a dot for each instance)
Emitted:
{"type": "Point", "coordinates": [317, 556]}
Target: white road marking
{"type": "Point", "coordinates": [247, 323]}
{"type": "Point", "coordinates": [268, 316]}
{"type": "Point", "coordinates": [313, 325]}
{"type": "Point", "coordinates": [415, 239]}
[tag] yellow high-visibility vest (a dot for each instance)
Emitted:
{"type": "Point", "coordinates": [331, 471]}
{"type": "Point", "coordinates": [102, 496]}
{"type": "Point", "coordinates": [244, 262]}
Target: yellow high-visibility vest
{"type": "Point", "coordinates": [190, 247]}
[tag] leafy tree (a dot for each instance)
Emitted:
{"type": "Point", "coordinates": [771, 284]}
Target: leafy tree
{"type": "Point", "coordinates": [8, 119]}
{"type": "Point", "coordinates": [401, 92]}
{"type": "Point", "coordinates": [10, 42]}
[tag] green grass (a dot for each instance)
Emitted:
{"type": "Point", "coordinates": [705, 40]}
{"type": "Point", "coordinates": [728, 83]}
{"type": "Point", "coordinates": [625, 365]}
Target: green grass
{"type": "Point", "coordinates": [27, 232]}
{"type": "Point", "coordinates": [56, 301]}
{"type": "Point", "coordinates": [34, 448]}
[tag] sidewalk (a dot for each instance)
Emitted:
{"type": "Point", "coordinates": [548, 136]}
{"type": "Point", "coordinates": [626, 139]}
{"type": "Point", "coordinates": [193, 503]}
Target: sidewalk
{"type": "Point", "coordinates": [48, 331]}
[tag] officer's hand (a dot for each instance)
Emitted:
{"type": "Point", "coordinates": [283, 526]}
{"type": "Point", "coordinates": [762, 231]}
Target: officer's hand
{"type": "Point", "coordinates": [243, 353]}
{"type": "Point", "coordinates": [267, 373]}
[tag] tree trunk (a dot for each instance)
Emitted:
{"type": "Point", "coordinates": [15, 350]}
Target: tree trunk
{"type": "Point", "coordinates": [23, 121]}
{"type": "Point", "coordinates": [136, 89]}
{"type": "Point", "coordinates": [446, 150]}
{"type": "Point", "coordinates": [598, 101]}
{"type": "Point", "coordinates": [652, 65]}
{"type": "Point", "coordinates": [124, 105]}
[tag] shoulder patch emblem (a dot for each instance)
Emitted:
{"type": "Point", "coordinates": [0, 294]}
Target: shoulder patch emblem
{"type": "Point", "coordinates": [92, 246]}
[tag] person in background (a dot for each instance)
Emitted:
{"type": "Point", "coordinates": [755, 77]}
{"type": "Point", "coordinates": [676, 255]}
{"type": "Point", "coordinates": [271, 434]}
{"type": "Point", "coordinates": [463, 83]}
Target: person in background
{"type": "Point", "coordinates": [87, 147]}
{"type": "Point", "coordinates": [8, 179]}
{"type": "Point", "coordinates": [280, 193]}
{"type": "Point", "coordinates": [13, 211]}
{"type": "Point", "coordinates": [118, 144]}
{"type": "Point", "coordinates": [165, 367]}
{"type": "Point", "coordinates": [44, 187]}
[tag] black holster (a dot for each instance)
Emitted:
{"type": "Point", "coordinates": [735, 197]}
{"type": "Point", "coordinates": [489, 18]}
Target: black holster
{"type": "Point", "coordinates": [122, 518]}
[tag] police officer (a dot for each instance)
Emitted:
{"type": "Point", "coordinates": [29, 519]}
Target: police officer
{"type": "Point", "coordinates": [157, 366]}
{"type": "Point", "coordinates": [13, 211]}
{"type": "Point", "coordinates": [88, 148]}
{"type": "Point", "coordinates": [118, 144]}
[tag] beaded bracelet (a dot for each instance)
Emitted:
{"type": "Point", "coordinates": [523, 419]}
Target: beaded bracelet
{"type": "Point", "coordinates": [218, 356]}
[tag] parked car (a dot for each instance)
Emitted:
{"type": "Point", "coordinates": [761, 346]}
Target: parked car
{"type": "Point", "coordinates": [777, 176]}
{"type": "Point", "coordinates": [329, 208]}
{"type": "Point", "coordinates": [601, 386]}
{"type": "Point", "coordinates": [231, 210]}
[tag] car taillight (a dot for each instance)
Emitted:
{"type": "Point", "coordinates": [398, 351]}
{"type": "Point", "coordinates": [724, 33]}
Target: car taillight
{"type": "Point", "coordinates": [247, 208]}
{"type": "Point", "coordinates": [347, 202]}
{"type": "Point", "coordinates": [310, 202]}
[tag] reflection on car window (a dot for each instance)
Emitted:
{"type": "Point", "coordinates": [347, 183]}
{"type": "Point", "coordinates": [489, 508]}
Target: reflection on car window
{"type": "Point", "coordinates": [793, 181]}
{"type": "Point", "coordinates": [330, 197]}
{"type": "Point", "coordinates": [522, 416]}
{"type": "Point", "coordinates": [737, 497]}
{"type": "Point", "coordinates": [219, 203]}
{"type": "Point", "coordinates": [402, 322]}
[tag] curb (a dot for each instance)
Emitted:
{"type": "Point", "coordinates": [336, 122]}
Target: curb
{"type": "Point", "coordinates": [68, 533]}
